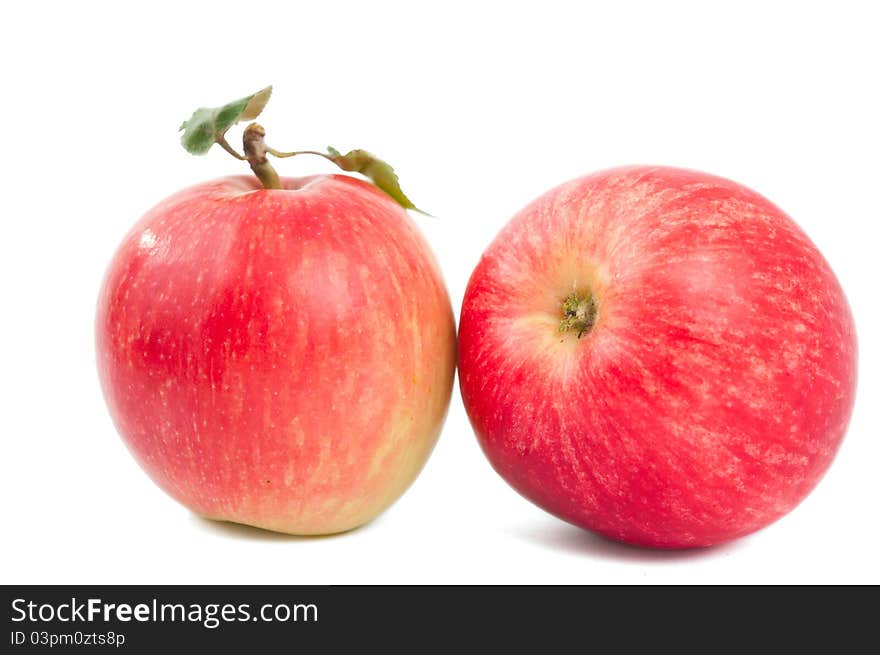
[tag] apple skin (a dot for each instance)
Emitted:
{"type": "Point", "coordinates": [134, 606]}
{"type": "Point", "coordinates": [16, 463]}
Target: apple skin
{"type": "Point", "coordinates": [715, 386]}
{"type": "Point", "coordinates": [279, 358]}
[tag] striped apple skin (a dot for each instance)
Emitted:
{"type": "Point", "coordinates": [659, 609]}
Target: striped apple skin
{"type": "Point", "coordinates": [279, 358]}
{"type": "Point", "coordinates": [713, 390]}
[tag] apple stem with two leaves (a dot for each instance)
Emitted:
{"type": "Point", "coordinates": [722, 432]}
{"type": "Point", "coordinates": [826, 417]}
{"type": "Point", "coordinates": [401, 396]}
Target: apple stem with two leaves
{"type": "Point", "coordinates": [207, 127]}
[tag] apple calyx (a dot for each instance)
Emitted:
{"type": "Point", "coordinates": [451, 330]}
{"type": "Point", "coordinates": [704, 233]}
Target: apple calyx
{"type": "Point", "coordinates": [209, 126]}
{"type": "Point", "coordinates": [578, 314]}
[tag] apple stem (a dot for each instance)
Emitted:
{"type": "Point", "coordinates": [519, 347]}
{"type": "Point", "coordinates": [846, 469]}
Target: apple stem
{"type": "Point", "coordinates": [255, 150]}
{"type": "Point", "coordinates": [578, 314]}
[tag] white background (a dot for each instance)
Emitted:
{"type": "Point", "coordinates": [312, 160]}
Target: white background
{"type": "Point", "coordinates": [480, 107]}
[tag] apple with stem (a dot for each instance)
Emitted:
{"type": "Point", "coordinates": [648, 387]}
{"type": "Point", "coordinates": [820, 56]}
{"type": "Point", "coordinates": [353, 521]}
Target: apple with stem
{"type": "Point", "coordinates": [658, 355]}
{"type": "Point", "coordinates": [277, 352]}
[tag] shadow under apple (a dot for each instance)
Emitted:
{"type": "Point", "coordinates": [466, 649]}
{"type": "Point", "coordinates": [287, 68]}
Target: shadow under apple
{"type": "Point", "coordinates": [244, 532]}
{"type": "Point", "coordinates": [557, 535]}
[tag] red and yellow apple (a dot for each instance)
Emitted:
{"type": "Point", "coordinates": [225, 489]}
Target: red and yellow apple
{"type": "Point", "coordinates": [281, 358]}
{"type": "Point", "coordinates": [658, 355]}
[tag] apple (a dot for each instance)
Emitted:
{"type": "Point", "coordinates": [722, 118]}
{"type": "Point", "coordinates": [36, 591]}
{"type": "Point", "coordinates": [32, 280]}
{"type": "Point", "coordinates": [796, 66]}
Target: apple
{"type": "Point", "coordinates": [279, 357]}
{"type": "Point", "coordinates": [657, 355]}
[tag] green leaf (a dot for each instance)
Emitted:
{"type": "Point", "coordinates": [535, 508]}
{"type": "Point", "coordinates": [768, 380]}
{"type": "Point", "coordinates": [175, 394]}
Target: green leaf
{"type": "Point", "coordinates": [198, 135]}
{"type": "Point", "coordinates": [208, 126]}
{"type": "Point", "coordinates": [378, 171]}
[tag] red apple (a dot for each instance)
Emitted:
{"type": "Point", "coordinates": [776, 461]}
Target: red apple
{"type": "Point", "coordinates": [658, 355]}
{"type": "Point", "coordinates": [278, 357]}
